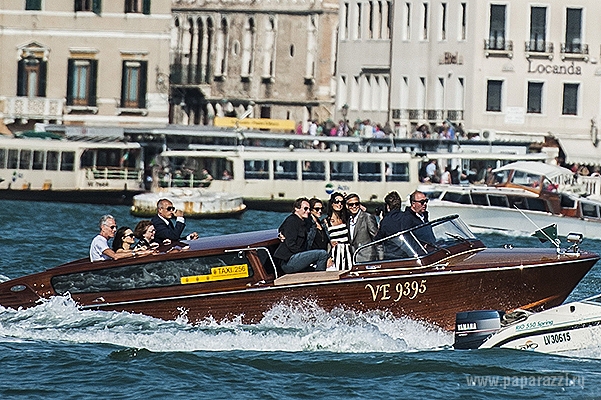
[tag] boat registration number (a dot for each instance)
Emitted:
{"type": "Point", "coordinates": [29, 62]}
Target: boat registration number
{"type": "Point", "coordinates": [218, 274]}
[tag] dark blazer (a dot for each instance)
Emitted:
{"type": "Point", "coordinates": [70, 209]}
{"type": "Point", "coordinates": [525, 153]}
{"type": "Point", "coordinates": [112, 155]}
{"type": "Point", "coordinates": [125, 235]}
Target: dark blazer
{"type": "Point", "coordinates": [167, 231]}
{"type": "Point", "coordinates": [366, 228]}
{"type": "Point", "coordinates": [409, 219]}
{"type": "Point", "coordinates": [294, 230]}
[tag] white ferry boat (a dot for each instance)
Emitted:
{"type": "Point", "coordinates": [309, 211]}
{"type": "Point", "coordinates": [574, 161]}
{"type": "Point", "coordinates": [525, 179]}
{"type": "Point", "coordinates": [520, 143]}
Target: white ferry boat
{"type": "Point", "coordinates": [271, 178]}
{"type": "Point", "coordinates": [47, 168]}
{"type": "Point", "coordinates": [522, 197]}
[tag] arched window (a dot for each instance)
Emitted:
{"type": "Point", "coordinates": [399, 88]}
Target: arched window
{"type": "Point", "coordinates": [248, 44]}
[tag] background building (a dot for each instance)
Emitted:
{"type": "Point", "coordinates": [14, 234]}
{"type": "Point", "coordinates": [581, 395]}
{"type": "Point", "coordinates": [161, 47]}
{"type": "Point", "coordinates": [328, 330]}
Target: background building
{"type": "Point", "coordinates": [264, 58]}
{"type": "Point", "coordinates": [498, 69]}
{"type": "Point", "coordinates": [84, 62]}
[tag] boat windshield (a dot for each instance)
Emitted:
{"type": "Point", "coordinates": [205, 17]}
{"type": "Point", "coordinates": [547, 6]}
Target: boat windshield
{"type": "Point", "coordinates": [417, 242]}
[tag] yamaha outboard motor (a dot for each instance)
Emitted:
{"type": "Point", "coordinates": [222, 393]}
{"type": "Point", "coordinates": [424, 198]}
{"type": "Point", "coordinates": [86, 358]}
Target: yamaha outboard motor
{"type": "Point", "coordinates": [472, 328]}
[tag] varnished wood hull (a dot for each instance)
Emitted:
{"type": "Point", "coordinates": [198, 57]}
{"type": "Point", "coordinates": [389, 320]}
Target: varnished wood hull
{"type": "Point", "coordinates": [464, 276]}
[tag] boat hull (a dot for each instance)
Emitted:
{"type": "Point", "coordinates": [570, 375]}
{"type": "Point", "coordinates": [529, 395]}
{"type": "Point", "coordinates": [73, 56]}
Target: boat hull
{"type": "Point", "coordinates": [111, 197]}
{"type": "Point", "coordinates": [432, 297]}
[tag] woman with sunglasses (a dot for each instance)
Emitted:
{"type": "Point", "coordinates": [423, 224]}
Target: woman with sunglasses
{"type": "Point", "coordinates": [144, 231]}
{"type": "Point", "coordinates": [124, 240]}
{"type": "Point", "coordinates": [317, 237]}
{"type": "Point", "coordinates": [337, 220]}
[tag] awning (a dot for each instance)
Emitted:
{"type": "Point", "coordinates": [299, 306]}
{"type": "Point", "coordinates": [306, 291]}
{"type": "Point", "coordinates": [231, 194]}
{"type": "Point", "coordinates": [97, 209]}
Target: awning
{"type": "Point", "coordinates": [581, 151]}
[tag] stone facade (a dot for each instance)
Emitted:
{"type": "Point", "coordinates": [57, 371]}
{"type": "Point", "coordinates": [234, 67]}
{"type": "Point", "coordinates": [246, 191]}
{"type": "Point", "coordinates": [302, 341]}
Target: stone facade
{"type": "Point", "coordinates": [259, 58]}
{"type": "Point", "coordinates": [84, 62]}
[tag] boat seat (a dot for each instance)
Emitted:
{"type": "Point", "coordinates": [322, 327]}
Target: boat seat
{"type": "Point", "coordinates": [307, 277]}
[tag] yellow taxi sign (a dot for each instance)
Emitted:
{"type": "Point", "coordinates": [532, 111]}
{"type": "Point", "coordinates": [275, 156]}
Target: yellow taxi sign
{"type": "Point", "coordinates": [218, 274]}
{"type": "Point", "coordinates": [256, 123]}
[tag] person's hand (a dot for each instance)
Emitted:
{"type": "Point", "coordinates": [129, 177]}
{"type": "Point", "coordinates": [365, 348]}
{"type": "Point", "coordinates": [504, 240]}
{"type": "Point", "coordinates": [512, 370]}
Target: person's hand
{"type": "Point", "coordinates": [193, 236]}
{"type": "Point", "coordinates": [334, 243]}
{"type": "Point", "coordinates": [179, 213]}
{"type": "Point", "coordinates": [167, 242]}
{"type": "Point", "coordinates": [281, 237]}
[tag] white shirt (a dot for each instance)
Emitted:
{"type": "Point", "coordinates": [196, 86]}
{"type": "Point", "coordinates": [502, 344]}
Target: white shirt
{"type": "Point", "coordinates": [352, 222]}
{"type": "Point", "coordinates": [99, 244]}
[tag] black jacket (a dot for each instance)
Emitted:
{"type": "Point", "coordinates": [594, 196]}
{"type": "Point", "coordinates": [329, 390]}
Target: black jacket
{"type": "Point", "coordinates": [294, 229]}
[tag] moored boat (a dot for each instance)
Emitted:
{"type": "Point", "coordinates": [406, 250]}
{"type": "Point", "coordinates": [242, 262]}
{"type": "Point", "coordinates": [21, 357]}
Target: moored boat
{"type": "Point", "coordinates": [521, 197]}
{"type": "Point", "coordinates": [194, 202]}
{"type": "Point", "coordinates": [428, 273]}
{"type": "Point", "coordinates": [570, 327]}
{"type": "Point", "coordinates": [49, 168]}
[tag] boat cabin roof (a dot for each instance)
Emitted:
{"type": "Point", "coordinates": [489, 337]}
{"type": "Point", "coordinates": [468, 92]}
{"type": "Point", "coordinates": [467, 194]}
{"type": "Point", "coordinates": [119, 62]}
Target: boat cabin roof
{"type": "Point", "coordinates": [536, 168]}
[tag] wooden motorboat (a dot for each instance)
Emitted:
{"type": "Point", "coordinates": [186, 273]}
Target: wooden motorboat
{"type": "Point", "coordinates": [521, 197]}
{"type": "Point", "coordinates": [427, 273]}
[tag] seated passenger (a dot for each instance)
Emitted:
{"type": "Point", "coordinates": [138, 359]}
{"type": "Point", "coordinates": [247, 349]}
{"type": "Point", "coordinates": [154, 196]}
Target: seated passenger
{"type": "Point", "coordinates": [292, 251]}
{"type": "Point", "coordinates": [124, 240]}
{"type": "Point", "coordinates": [169, 223]}
{"type": "Point", "coordinates": [415, 215]}
{"type": "Point", "coordinates": [391, 224]}
{"type": "Point", "coordinates": [99, 248]}
{"type": "Point", "coordinates": [144, 231]}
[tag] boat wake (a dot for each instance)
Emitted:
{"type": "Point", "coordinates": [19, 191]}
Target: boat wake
{"type": "Point", "coordinates": [290, 328]}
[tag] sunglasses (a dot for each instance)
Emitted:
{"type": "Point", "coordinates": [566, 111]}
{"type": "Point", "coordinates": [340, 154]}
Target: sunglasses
{"type": "Point", "coordinates": [422, 202]}
{"type": "Point", "coordinates": [352, 205]}
{"type": "Point", "coordinates": [112, 227]}
{"type": "Point", "coordinates": [170, 208]}
{"type": "Point", "coordinates": [318, 209]}
{"type": "Point", "coordinates": [337, 201]}
{"type": "Point", "coordinates": [305, 208]}
{"type": "Point", "coordinates": [131, 235]}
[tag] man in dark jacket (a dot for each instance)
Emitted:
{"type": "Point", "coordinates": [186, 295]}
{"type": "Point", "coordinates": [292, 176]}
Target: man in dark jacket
{"type": "Point", "coordinates": [415, 215]}
{"type": "Point", "coordinates": [391, 224]}
{"type": "Point", "coordinates": [169, 223]}
{"type": "Point", "coordinates": [293, 250]}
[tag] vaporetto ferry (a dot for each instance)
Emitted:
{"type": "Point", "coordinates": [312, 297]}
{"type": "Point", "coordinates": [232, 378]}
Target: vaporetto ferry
{"type": "Point", "coordinates": [49, 168]}
{"type": "Point", "coordinates": [271, 178]}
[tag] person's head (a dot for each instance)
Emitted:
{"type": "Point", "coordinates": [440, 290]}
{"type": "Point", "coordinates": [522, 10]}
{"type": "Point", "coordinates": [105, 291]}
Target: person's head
{"type": "Point", "coordinates": [301, 207]}
{"type": "Point", "coordinates": [145, 230]}
{"type": "Point", "coordinates": [124, 238]}
{"type": "Point", "coordinates": [108, 226]}
{"type": "Point", "coordinates": [393, 201]}
{"type": "Point", "coordinates": [316, 207]}
{"type": "Point", "coordinates": [165, 208]}
{"type": "Point", "coordinates": [353, 203]}
{"type": "Point", "coordinates": [419, 202]}
{"type": "Point", "coordinates": [336, 205]}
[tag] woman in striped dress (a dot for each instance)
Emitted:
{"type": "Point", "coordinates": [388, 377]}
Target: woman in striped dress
{"type": "Point", "coordinates": [338, 229]}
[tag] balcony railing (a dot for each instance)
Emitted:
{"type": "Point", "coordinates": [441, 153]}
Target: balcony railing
{"type": "Point", "coordinates": [32, 108]}
{"type": "Point", "coordinates": [432, 116]}
{"type": "Point", "coordinates": [192, 74]}
{"type": "Point", "coordinates": [574, 51]}
{"type": "Point", "coordinates": [498, 46]}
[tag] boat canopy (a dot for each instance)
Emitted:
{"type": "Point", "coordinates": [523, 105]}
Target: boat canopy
{"type": "Point", "coordinates": [537, 168]}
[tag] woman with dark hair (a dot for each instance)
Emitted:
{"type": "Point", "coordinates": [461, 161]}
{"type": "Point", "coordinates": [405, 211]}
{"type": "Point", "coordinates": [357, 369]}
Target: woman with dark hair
{"type": "Point", "coordinates": [338, 230]}
{"type": "Point", "coordinates": [144, 231]}
{"type": "Point", "coordinates": [124, 240]}
{"type": "Point", "coordinates": [317, 236]}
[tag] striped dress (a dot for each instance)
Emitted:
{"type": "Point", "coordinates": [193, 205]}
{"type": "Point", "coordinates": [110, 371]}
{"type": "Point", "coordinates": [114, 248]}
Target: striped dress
{"type": "Point", "coordinates": [341, 253]}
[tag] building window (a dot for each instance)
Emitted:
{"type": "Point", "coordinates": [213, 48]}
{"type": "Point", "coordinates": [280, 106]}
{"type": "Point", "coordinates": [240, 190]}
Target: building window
{"type": "Point", "coordinates": [370, 22]}
{"type": "Point", "coordinates": [137, 6]}
{"type": "Point", "coordinates": [573, 30]}
{"type": "Point", "coordinates": [535, 97]}
{"type": "Point", "coordinates": [359, 20]}
{"type": "Point", "coordinates": [133, 84]}
{"type": "Point", "coordinates": [497, 27]}
{"type": "Point", "coordinates": [33, 5]}
{"type": "Point", "coordinates": [443, 22]}
{"type": "Point", "coordinates": [269, 53]}
{"type": "Point", "coordinates": [81, 82]}
{"type": "Point", "coordinates": [538, 28]}
{"type": "Point", "coordinates": [407, 21]}
{"type": "Point", "coordinates": [570, 98]}
{"type": "Point", "coordinates": [345, 16]}
{"type": "Point", "coordinates": [425, 21]}
{"type": "Point", "coordinates": [463, 33]}
{"type": "Point", "coordinates": [493, 95]}
{"type": "Point", "coordinates": [248, 45]}
{"type": "Point", "coordinates": [88, 5]}
{"type": "Point", "coordinates": [31, 77]}
{"type": "Point", "coordinates": [222, 40]}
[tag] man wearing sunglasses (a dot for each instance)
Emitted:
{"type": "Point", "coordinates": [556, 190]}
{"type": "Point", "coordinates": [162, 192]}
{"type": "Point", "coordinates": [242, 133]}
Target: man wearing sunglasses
{"type": "Point", "coordinates": [416, 214]}
{"type": "Point", "coordinates": [292, 251]}
{"type": "Point", "coordinates": [99, 249]}
{"type": "Point", "coordinates": [363, 228]}
{"type": "Point", "coordinates": [169, 223]}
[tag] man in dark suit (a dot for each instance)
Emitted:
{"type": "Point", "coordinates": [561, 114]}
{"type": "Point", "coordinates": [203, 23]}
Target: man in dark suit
{"type": "Point", "coordinates": [415, 215]}
{"type": "Point", "coordinates": [363, 228]}
{"type": "Point", "coordinates": [169, 223]}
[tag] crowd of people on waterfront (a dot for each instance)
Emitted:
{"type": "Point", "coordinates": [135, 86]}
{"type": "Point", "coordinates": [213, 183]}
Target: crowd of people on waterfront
{"type": "Point", "coordinates": [316, 236]}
